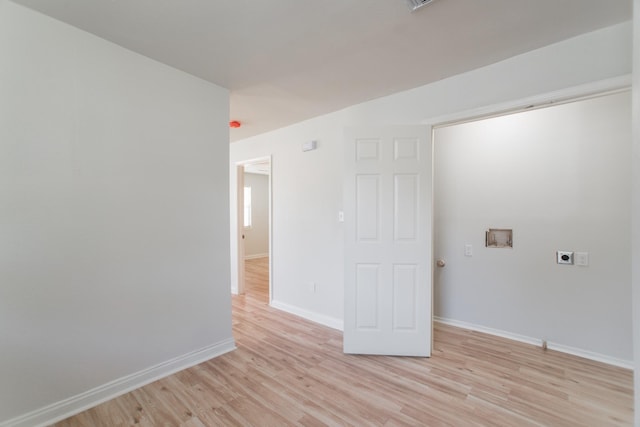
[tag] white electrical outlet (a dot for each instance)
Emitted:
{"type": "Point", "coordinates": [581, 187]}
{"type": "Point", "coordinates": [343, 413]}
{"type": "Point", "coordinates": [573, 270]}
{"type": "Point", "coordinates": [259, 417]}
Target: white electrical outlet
{"type": "Point", "coordinates": [581, 258]}
{"type": "Point", "coordinates": [468, 250]}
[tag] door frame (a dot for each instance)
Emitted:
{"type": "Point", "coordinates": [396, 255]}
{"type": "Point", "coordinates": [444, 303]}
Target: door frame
{"type": "Point", "coordinates": [240, 226]}
{"type": "Point", "coordinates": [572, 94]}
{"type": "Point", "coordinates": [239, 214]}
{"type": "Point", "coordinates": [548, 99]}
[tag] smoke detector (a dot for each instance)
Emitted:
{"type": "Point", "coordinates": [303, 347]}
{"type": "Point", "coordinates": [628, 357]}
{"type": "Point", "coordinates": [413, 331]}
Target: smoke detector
{"type": "Point", "coordinates": [417, 4]}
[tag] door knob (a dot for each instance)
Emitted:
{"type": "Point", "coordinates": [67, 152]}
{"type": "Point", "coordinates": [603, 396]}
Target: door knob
{"type": "Point", "coordinates": [440, 263]}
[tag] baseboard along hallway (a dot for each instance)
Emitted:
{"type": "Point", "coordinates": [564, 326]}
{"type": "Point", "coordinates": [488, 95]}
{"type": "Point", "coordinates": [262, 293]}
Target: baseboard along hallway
{"type": "Point", "coordinates": [291, 372]}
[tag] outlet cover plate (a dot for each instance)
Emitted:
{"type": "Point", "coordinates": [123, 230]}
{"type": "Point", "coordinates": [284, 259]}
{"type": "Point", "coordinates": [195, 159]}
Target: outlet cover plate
{"type": "Point", "coordinates": [581, 258]}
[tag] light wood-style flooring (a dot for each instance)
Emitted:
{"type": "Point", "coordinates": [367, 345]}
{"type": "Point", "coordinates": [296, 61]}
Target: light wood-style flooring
{"type": "Point", "coordinates": [288, 371]}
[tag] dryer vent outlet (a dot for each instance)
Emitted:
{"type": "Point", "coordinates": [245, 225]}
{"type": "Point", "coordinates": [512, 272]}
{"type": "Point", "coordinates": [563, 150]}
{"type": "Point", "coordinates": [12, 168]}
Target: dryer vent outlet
{"type": "Point", "coordinates": [564, 257]}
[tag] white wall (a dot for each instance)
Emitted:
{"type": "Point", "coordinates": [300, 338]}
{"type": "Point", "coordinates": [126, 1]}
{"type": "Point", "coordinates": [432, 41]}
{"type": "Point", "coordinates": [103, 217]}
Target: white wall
{"type": "Point", "coordinates": [635, 210]}
{"type": "Point", "coordinates": [256, 241]}
{"type": "Point", "coordinates": [309, 190]}
{"type": "Point", "coordinates": [113, 218]}
{"type": "Point", "coordinates": [559, 177]}
{"type": "Point", "coordinates": [307, 187]}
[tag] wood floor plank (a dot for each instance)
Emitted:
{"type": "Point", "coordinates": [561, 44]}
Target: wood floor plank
{"type": "Point", "coordinates": [287, 371]}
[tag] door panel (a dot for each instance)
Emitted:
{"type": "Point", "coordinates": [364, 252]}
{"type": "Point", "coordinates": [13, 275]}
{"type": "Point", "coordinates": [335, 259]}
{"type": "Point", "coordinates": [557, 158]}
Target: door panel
{"type": "Point", "coordinates": [388, 241]}
{"type": "Point", "coordinates": [405, 288]}
{"type": "Point", "coordinates": [367, 290]}
{"type": "Point", "coordinates": [405, 215]}
{"type": "Point", "coordinates": [367, 207]}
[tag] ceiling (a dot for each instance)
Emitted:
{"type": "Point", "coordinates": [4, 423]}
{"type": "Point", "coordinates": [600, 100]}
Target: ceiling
{"type": "Point", "coordinates": [289, 60]}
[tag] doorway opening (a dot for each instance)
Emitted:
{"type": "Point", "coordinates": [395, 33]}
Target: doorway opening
{"type": "Point", "coordinates": [539, 173]}
{"type": "Point", "coordinates": [254, 228]}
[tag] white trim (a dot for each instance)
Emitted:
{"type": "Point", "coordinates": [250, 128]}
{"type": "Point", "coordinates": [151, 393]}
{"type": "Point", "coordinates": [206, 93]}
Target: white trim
{"type": "Point", "coordinates": [270, 254]}
{"type": "Point", "coordinates": [570, 94]}
{"type": "Point", "coordinates": [65, 408]}
{"type": "Point", "coordinates": [240, 233]}
{"type": "Point", "coordinates": [628, 364]}
{"type": "Point", "coordinates": [236, 261]}
{"type": "Point", "coordinates": [256, 256]}
{"type": "Point", "coordinates": [331, 322]}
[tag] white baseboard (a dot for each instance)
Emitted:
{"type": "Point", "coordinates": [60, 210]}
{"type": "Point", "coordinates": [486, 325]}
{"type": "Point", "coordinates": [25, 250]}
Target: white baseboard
{"type": "Point", "coordinates": [628, 364]}
{"type": "Point", "coordinates": [256, 256]}
{"type": "Point", "coordinates": [65, 408]}
{"type": "Point", "coordinates": [331, 322]}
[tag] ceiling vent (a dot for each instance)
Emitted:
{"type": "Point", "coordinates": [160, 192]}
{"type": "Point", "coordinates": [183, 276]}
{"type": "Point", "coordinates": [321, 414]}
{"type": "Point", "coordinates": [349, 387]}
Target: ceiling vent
{"type": "Point", "coordinates": [417, 4]}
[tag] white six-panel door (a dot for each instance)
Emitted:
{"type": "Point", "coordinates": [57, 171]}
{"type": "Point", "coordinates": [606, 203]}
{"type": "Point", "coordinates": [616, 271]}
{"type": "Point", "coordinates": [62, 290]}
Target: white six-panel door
{"type": "Point", "coordinates": [387, 207]}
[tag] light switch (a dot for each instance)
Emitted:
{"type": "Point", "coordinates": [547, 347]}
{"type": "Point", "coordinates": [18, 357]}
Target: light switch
{"type": "Point", "coordinates": [341, 216]}
{"type": "Point", "coordinates": [468, 250]}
